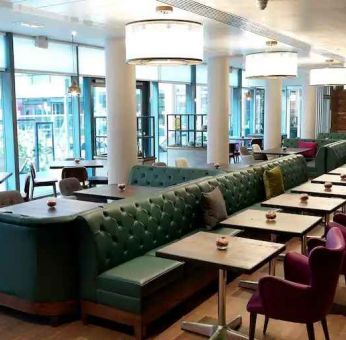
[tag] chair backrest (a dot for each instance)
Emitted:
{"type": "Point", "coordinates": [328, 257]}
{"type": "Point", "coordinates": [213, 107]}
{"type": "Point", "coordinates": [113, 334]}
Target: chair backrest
{"type": "Point", "coordinates": [257, 141]}
{"type": "Point", "coordinates": [159, 164]}
{"type": "Point", "coordinates": [256, 148]}
{"type": "Point", "coordinates": [244, 151]}
{"type": "Point", "coordinates": [10, 198]}
{"type": "Point", "coordinates": [78, 172]}
{"type": "Point", "coordinates": [232, 147]}
{"type": "Point", "coordinates": [181, 163]}
{"type": "Point", "coordinates": [69, 185]}
{"type": "Point", "coordinates": [325, 265]}
{"type": "Point", "coordinates": [32, 170]}
{"type": "Point", "coordinates": [258, 157]}
{"type": "Point", "coordinates": [27, 188]}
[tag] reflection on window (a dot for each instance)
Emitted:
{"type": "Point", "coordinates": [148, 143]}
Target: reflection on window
{"type": "Point", "coordinates": [44, 119]}
{"type": "Point", "coordinates": [292, 106]}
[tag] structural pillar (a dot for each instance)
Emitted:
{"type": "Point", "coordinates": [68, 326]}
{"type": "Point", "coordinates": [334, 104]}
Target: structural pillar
{"type": "Point", "coordinates": [218, 110]}
{"type": "Point", "coordinates": [272, 114]}
{"type": "Point", "coordinates": [121, 112]}
{"type": "Point", "coordinates": [308, 116]}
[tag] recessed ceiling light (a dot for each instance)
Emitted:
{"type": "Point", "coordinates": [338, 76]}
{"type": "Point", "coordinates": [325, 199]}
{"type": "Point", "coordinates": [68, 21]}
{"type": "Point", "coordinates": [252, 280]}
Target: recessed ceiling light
{"type": "Point", "coordinates": [30, 24]}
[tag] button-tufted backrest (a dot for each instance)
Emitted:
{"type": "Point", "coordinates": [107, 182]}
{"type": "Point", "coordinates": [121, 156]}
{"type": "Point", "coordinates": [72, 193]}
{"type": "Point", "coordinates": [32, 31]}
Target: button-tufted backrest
{"type": "Point", "coordinates": [166, 176]}
{"type": "Point", "coordinates": [130, 228]}
{"type": "Point", "coordinates": [332, 135]}
{"type": "Point", "coordinates": [293, 142]}
{"type": "Point", "coordinates": [335, 155]}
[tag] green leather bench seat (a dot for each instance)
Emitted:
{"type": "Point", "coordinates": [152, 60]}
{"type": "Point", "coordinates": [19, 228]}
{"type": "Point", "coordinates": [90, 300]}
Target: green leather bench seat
{"type": "Point", "coordinates": [166, 176]}
{"type": "Point", "coordinates": [140, 277]}
{"type": "Point", "coordinates": [335, 155]}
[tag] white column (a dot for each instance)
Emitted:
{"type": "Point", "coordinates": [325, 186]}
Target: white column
{"type": "Point", "coordinates": [308, 115]}
{"type": "Point", "coordinates": [218, 110]}
{"type": "Point", "coordinates": [272, 114]}
{"type": "Point", "coordinates": [121, 112]}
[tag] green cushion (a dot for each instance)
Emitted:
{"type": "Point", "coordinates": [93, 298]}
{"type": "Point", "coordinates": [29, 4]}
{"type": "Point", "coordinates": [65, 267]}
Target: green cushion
{"type": "Point", "coordinates": [140, 276]}
{"type": "Point", "coordinates": [273, 182]}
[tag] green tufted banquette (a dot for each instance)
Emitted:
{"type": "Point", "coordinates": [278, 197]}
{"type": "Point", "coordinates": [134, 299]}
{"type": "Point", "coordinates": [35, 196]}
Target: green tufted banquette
{"type": "Point", "coordinates": [332, 135]}
{"type": "Point", "coordinates": [335, 155]}
{"type": "Point", "coordinates": [166, 176]}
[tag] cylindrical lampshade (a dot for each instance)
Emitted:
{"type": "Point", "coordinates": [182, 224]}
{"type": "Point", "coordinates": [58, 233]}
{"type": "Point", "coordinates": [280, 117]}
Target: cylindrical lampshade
{"type": "Point", "coordinates": [328, 76]}
{"type": "Point", "coordinates": [164, 42]}
{"type": "Point", "coordinates": [273, 64]}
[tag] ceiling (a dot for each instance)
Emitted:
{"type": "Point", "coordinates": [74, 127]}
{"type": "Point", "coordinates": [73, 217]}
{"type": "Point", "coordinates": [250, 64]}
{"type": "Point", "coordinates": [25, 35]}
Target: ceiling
{"type": "Point", "coordinates": [313, 28]}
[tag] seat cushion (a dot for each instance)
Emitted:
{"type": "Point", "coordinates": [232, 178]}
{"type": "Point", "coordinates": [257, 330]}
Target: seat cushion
{"type": "Point", "coordinates": [140, 276]}
{"type": "Point", "coordinates": [310, 145]}
{"type": "Point", "coordinates": [214, 208]}
{"type": "Point", "coordinates": [273, 182]}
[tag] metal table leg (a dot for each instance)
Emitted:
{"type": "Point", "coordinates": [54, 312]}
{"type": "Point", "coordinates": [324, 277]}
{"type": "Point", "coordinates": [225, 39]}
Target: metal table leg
{"type": "Point", "coordinates": [303, 244]}
{"type": "Point", "coordinates": [221, 330]}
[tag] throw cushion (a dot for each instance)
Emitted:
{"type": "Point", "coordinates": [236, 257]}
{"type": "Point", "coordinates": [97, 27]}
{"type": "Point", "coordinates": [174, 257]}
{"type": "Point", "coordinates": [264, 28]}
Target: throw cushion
{"type": "Point", "coordinates": [214, 208]}
{"type": "Point", "coordinates": [311, 145]}
{"type": "Point", "coordinates": [273, 182]}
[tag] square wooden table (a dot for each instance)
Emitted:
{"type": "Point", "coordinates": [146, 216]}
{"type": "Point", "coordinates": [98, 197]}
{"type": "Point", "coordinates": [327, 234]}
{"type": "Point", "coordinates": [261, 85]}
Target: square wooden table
{"type": "Point", "coordinates": [322, 206]}
{"type": "Point", "coordinates": [338, 171]}
{"type": "Point", "coordinates": [283, 152]}
{"type": "Point", "coordinates": [292, 224]}
{"type": "Point", "coordinates": [329, 178]}
{"type": "Point", "coordinates": [317, 189]}
{"type": "Point", "coordinates": [39, 209]}
{"type": "Point", "coordinates": [242, 256]}
{"type": "Point", "coordinates": [103, 193]}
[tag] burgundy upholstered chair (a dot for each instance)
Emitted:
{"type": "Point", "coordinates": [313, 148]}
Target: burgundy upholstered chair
{"type": "Point", "coordinates": [307, 292]}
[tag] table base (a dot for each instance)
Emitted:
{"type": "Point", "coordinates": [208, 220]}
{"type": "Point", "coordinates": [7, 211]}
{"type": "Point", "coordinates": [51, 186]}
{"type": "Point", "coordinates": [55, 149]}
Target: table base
{"type": "Point", "coordinates": [252, 285]}
{"type": "Point", "coordinates": [216, 331]}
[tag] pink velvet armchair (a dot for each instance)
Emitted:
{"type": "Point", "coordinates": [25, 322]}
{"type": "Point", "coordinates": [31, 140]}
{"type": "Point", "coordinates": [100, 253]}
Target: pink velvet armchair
{"type": "Point", "coordinates": [307, 292]}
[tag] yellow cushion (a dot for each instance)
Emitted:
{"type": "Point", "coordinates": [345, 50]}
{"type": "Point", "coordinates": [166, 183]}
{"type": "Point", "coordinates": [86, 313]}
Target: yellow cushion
{"type": "Point", "coordinates": [273, 182]}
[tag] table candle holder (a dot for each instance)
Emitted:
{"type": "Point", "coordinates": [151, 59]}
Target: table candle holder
{"type": "Point", "coordinates": [222, 243]}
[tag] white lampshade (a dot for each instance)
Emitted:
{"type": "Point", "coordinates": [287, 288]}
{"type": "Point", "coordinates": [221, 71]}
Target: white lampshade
{"type": "Point", "coordinates": [164, 42]}
{"type": "Point", "coordinates": [328, 76]}
{"type": "Point", "coordinates": [275, 64]}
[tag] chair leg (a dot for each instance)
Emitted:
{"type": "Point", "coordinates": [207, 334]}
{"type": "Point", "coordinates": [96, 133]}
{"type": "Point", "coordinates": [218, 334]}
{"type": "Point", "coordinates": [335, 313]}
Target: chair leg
{"type": "Point", "coordinates": [266, 321]}
{"type": "Point", "coordinates": [310, 329]}
{"type": "Point", "coordinates": [252, 330]}
{"type": "Point", "coordinates": [54, 190]}
{"type": "Point", "coordinates": [325, 328]}
{"type": "Point", "coordinates": [32, 192]}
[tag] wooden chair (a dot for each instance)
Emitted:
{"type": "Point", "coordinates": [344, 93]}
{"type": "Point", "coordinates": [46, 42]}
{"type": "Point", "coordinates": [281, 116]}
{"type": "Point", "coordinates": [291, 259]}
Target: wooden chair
{"type": "Point", "coordinates": [78, 172]}
{"type": "Point", "coordinates": [181, 163]}
{"type": "Point", "coordinates": [26, 195]}
{"type": "Point", "coordinates": [258, 156]}
{"type": "Point", "coordinates": [233, 152]}
{"type": "Point", "coordinates": [68, 186]}
{"type": "Point", "coordinates": [10, 197]}
{"type": "Point", "coordinates": [41, 181]}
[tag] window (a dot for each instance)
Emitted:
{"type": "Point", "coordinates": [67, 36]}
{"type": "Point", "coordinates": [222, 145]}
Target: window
{"type": "Point", "coordinates": [57, 58]}
{"type": "Point", "coordinates": [44, 119]}
{"type": "Point", "coordinates": [91, 61]}
{"type": "Point", "coordinates": [2, 141]}
{"type": "Point", "coordinates": [2, 52]}
{"type": "Point", "coordinates": [291, 111]}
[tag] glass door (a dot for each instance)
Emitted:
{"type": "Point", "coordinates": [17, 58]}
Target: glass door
{"type": "Point", "coordinates": [44, 145]}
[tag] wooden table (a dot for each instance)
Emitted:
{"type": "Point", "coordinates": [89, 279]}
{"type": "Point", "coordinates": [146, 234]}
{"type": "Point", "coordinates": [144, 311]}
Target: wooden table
{"type": "Point", "coordinates": [321, 206]}
{"type": "Point", "coordinates": [282, 152]}
{"type": "Point", "coordinates": [242, 256]}
{"type": "Point", "coordinates": [293, 224]}
{"type": "Point", "coordinates": [338, 171]}
{"type": "Point", "coordinates": [104, 192]}
{"type": "Point", "coordinates": [329, 178]}
{"type": "Point", "coordinates": [93, 163]}
{"type": "Point", "coordinates": [4, 176]}
{"type": "Point", "coordinates": [317, 189]}
{"type": "Point", "coordinates": [39, 209]}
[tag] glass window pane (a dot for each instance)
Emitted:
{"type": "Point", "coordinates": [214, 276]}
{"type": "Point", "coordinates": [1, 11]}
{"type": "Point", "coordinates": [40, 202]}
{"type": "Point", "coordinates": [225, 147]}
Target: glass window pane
{"type": "Point", "coordinates": [202, 74]}
{"type": "Point", "coordinates": [2, 52]}
{"type": "Point", "coordinates": [91, 61]}
{"type": "Point", "coordinates": [201, 99]}
{"type": "Point", "coordinates": [144, 72]}
{"type": "Point", "coordinates": [176, 73]}
{"type": "Point", "coordinates": [2, 144]}
{"type": "Point", "coordinates": [57, 58]}
{"type": "Point", "coordinates": [44, 118]}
